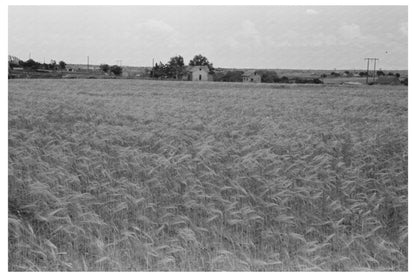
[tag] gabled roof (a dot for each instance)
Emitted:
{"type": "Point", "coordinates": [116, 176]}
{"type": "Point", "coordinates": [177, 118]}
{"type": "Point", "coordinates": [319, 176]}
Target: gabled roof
{"type": "Point", "coordinates": [249, 73]}
{"type": "Point", "coordinates": [197, 68]}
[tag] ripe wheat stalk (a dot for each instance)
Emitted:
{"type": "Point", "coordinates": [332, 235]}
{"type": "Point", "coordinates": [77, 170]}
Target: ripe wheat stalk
{"type": "Point", "coordinates": [162, 176]}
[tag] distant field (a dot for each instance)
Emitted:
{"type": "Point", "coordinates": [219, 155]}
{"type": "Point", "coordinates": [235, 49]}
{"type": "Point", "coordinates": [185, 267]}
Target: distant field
{"type": "Point", "coordinates": [156, 176]}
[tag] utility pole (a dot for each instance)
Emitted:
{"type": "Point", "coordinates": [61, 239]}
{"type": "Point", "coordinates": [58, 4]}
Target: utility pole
{"type": "Point", "coordinates": [88, 63]}
{"type": "Point", "coordinates": [30, 56]}
{"type": "Point", "coordinates": [153, 66]}
{"type": "Point", "coordinates": [368, 67]}
{"type": "Point", "coordinates": [119, 62]}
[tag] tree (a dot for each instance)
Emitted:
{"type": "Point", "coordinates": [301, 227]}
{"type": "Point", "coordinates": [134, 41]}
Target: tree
{"type": "Point", "coordinates": [116, 70]}
{"type": "Point", "coordinates": [12, 65]}
{"type": "Point", "coordinates": [155, 71]}
{"type": "Point", "coordinates": [175, 67]}
{"type": "Point", "coordinates": [105, 67]}
{"type": "Point", "coordinates": [159, 71]}
{"type": "Point", "coordinates": [268, 76]}
{"type": "Point", "coordinates": [62, 65]}
{"type": "Point", "coordinates": [380, 73]}
{"type": "Point", "coordinates": [233, 76]}
{"type": "Point", "coordinates": [30, 63]}
{"type": "Point", "coordinates": [284, 79]}
{"type": "Point", "coordinates": [201, 60]}
{"type": "Point", "coordinates": [52, 65]}
{"type": "Point", "coordinates": [348, 73]}
{"type": "Point", "coordinates": [219, 77]}
{"type": "Point", "coordinates": [397, 75]}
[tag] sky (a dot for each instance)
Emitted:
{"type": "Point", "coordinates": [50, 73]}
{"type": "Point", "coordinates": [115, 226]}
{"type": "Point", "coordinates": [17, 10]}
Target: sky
{"type": "Point", "coordinates": [285, 37]}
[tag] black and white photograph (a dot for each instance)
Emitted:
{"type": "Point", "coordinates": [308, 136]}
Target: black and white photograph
{"type": "Point", "coordinates": [198, 137]}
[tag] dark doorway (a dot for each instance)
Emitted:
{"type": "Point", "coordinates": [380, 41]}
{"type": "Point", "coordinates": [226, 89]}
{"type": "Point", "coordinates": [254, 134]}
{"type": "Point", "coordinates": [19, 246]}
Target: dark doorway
{"type": "Point", "coordinates": [200, 77]}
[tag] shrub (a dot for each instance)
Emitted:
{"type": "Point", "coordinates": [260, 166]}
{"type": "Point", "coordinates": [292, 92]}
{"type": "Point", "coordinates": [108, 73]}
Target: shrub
{"type": "Point", "coordinates": [268, 76]}
{"type": "Point", "coordinates": [116, 70]}
{"type": "Point", "coordinates": [62, 65]}
{"type": "Point", "coordinates": [380, 73]}
{"type": "Point", "coordinates": [232, 76]}
{"type": "Point", "coordinates": [284, 79]}
{"type": "Point", "coordinates": [105, 68]}
{"type": "Point", "coordinates": [30, 64]}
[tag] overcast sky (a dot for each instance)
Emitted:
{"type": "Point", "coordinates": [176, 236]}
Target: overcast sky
{"type": "Point", "coordinates": [298, 37]}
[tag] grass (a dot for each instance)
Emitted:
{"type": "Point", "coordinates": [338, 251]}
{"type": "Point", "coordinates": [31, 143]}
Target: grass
{"type": "Point", "coordinates": [117, 175]}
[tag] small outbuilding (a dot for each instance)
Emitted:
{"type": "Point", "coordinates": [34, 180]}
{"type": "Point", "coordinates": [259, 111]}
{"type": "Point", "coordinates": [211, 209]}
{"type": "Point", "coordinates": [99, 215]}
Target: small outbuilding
{"type": "Point", "coordinates": [251, 77]}
{"type": "Point", "coordinates": [198, 73]}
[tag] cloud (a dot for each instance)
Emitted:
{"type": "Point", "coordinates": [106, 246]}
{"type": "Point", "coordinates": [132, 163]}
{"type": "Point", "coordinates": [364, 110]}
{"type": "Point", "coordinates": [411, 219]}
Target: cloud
{"type": "Point", "coordinates": [350, 32]}
{"type": "Point", "coordinates": [157, 26]}
{"type": "Point", "coordinates": [291, 38]}
{"type": "Point", "coordinates": [156, 32]}
{"type": "Point", "coordinates": [249, 28]}
{"type": "Point", "coordinates": [250, 32]}
{"type": "Point", "coordinates": [246, 37]}
{"type": "Point", "coordinates": [311, 11]}
{"type": "Point", "coordinates": [322, 39]}
{"type": "Point", "coordinates": [403, 27]}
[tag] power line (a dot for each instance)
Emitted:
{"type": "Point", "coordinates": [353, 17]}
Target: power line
{"type": "Point", "coordinates": [374, 60]}
{"type": "Point", "coordinates": [374, 72]}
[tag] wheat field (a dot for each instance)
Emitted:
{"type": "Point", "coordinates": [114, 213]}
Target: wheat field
{"type": "Point", "coordinates": [130, 175]}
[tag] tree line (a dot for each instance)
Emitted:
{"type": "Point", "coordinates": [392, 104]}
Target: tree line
{"type": "Point", "coordinates": [347, 73]}
{"type": "Point", "coordinates": [53, 65]}
{"type": "Point", "coordinates": [175, 69]}
{"type": "Point", "coordinates": [32, 64]}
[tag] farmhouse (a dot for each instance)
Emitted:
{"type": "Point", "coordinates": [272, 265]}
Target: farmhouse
{"type": "Point", "coordinates": [197, 73]}
{"type": "Point", "coordinates": [251, 77]}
